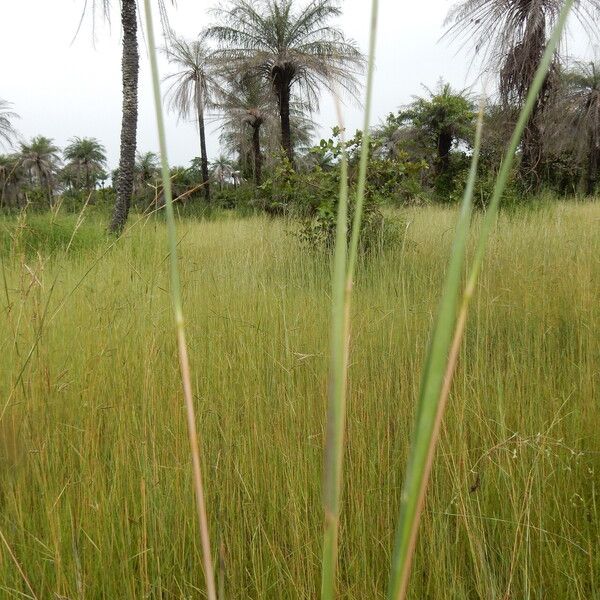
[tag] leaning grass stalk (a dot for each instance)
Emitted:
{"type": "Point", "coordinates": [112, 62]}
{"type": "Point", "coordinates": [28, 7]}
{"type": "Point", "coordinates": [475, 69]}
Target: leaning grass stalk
{"type": "Point", "coordinates": [178, 310]}
{"type": "Point", "coordinates": [343, 276]}
{"type": "Point", "coordinates": [18, 565]}
{"type": "Point", "coordinates": [446, 340]}
{"type": "Point", "coordinates": [79, 222]}
{"type": "Point", "coordinates": [420, 454]}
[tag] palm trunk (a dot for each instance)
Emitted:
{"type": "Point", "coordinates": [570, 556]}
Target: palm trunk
{"type": "Point", "coordinates": [257, 154]}
{"type": "Point", "coordinates": [592, 171]}
{"type": "Point", "coordinates": [284, 113]}
{"type": "Point", "coordinates": [444, 147]}
{"type": "Point", "coordinates": [45, 185]}
{"type": "Point", "coordinates": [87, 178]}
{"type": "Point", "coordinates": [130, 71]}
{"type": "Point", "coordinates": [203, 153]}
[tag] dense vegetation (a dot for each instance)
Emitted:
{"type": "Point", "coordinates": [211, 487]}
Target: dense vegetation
{"type": "Point", "coordinates": [264, 84]}
{"type": "Point", "coordinates": [96, 498]}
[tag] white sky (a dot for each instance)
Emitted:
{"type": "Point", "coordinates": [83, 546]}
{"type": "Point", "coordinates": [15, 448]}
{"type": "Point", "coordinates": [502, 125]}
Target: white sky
{"type": "Point", "coordinates": [62, 88]}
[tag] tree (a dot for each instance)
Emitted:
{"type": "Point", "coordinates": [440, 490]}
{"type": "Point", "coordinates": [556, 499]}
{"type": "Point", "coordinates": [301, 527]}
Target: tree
{"type": "Point", "coordinates": [291, 49]}
{"type": "Point", "coordinates": [86, 159]}
{"type": "Point", "coordinates": [250, 124]}
{"type": "Point", "coordinates": [147, 173]}
{"type": "Point", "coordinates": [8, 133]}
{"type": "Point", "coordinates": [442, 120]}
{"type": "Point", "coordinates": [578, 111]}
{"type": "Point", "coordinates": [245, 105]}
{"type": "Point", "coordinates": [222, 169]}
{"type": "Point", "coordinates": [130, 73]}
{"type": "Point", "coordinates": [41, 158]}
{"type": "Point", "coordinates": [512, 37]}
{"type": "Point", "coordinates": [12, 177]}
{"type": "Point", "coordinates": [192, 87]}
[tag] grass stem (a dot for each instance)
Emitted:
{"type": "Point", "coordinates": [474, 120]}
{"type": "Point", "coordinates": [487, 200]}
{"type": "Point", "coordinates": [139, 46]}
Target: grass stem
{"type": "Point", "coordinates": [343, 277]}
{"type": "Point", "coordinates": [179, 320]}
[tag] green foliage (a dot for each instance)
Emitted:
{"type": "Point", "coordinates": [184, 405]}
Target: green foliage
{"type": "Point", "coordinates": [312, 194]}
{"type": "Point", "coordinates": [100, 201]}
{"type": "Point", "coordinates": [438, 130]}
{"type": "Point", "coordinates": [444, 115]}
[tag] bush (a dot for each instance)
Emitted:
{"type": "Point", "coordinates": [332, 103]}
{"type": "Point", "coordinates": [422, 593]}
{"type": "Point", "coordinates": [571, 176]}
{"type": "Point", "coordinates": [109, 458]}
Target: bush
{"type": "Point", "coordinates": [312, 195]}
{"type": "Point", "coordinates": [378, 230]}
{"type": "Point", "coordinates": [73, 201]}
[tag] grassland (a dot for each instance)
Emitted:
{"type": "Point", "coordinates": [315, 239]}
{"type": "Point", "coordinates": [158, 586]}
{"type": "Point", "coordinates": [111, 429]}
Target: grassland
{"type": "Point", "coordinates": [96, 499]}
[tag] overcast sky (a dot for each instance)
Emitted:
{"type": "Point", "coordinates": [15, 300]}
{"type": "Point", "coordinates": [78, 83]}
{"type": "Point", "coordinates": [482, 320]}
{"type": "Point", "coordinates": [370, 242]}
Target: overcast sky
{"type": "Point", "coordinates": [62, 88]}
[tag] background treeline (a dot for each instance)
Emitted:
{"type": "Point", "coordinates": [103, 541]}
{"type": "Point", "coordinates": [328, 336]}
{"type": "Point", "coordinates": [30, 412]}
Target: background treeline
{"type": "Point", "coordinates": [257, 75]}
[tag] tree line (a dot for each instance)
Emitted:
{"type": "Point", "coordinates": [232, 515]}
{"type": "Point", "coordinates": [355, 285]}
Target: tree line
{"type": "Point", "coordinates": [260, 70]}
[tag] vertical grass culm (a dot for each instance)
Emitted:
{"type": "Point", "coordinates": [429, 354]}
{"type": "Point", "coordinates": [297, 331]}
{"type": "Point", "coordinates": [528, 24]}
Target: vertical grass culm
{"type": "Point", "coordinates": [446, 338]}
{"type": "Point", "coordinates": [179, 320]}
{"type": "Point", "coordinates": [342, 282]}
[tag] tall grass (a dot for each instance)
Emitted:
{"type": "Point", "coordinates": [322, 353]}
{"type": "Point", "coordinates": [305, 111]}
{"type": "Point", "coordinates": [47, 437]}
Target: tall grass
{"type": "Point", "coordinates": [176, 297]}
{"type": "Point", "coordinates": [344, 267]}
{"type": "Point", "coordinates": [94, 502]}
{"type": "Point", "coordinates": [98, 416]}
{"type": "Point", "coordinates": [448, 330]}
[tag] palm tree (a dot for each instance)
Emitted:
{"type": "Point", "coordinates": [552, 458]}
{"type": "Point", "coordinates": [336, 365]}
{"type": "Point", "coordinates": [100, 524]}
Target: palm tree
{"type": "Point", "coordinates": [250, 126]}
{"type": "Point", "coordinates": [245, 105]}
{"type": "Point", "coordinates": [41, 158]}
{"type": "Point", "coordinates": [442, 120]}
{"type": "Point", "coordinates": [192, 87]}
{"type": "Point", "coordinates": [511, 36]}
{"type": "Point", "coordinates": [12, 177]}
{"type": "Point", "coordinates": [147, 168]}
{"type": "Point", "coordinates": [222, 169]}
{"type": "Point", "coordinates": [86, 159]}
{"type": "Point", "coordinates": [8, 133]}
{"type": "Point", "coordinates": [578, 111]}
{"type": "Point", "coordinates": [130, 74]}
{"type": "Point", "coordinates": [291, 49]}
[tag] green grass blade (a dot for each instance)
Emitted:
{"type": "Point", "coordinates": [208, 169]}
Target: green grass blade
{"type": "Point", "coordinates": [364, 157]}
{"type": "Point", "coordinates": [424, 437]}
{"type": "Point", "coordinates": [178, 310]}
{"type": "Point", "coordinates": [336, 412]}
{"type": "Point", "coordinates": [431, 385]}
{"type": "Point", "coordinates": [343, 274]}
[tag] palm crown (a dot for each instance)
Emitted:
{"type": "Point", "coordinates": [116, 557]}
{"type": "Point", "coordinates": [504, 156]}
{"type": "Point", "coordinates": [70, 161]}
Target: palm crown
{"type": "Point", "coordinates": [7, 116]}
{"type": "Point", "coordinates": [191, 88]}
{"type": "Point", "coordinates": [86, 159]}
{"type": "Point", "coordinates": [291, 49]}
